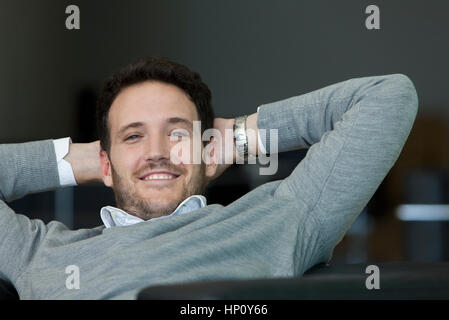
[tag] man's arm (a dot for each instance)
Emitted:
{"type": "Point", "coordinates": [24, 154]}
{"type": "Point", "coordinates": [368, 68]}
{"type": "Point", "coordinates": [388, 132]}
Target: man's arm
{"type": "Point", "coordinates": [24, 168]}
{"type": "Point", "coordinates": [29, 168]}
{"type": "Point", "coordinates": [355, 130]}
{"type": "Point", "coordinates": [84, 159]}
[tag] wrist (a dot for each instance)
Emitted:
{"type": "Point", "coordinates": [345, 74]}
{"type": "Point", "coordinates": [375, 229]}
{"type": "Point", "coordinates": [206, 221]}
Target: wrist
{"type": "Point", "coordinates": [252, 133]}
{"type": "Point", "coordinates": [85, 161]}
{"type": "Point", "coordinates": [250, 138]}
{"type": "Point", "coordinates": [230, 127]}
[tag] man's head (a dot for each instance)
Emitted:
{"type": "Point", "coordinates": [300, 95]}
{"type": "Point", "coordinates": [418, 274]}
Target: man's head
{"type": "Point", "coordinates": [144, 110]}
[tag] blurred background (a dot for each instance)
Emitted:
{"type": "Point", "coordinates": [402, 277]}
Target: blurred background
{"type": "Point", "coordinates": [249, 53]}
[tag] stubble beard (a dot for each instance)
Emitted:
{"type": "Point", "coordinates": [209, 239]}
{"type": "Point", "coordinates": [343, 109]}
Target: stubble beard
{"type": "Point", "coordinates": [146, 208]}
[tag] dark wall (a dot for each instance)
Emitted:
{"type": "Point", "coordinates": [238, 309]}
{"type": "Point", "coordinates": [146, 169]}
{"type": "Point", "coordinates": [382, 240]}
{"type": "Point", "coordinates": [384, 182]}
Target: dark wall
{"type": "Point", "coordinates": [249, 52]}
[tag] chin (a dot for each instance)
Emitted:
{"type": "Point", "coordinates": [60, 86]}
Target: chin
{"type": "Point", "coordinates": [162, 198]}
{"type": "Point", "coordinates": [160, 195]}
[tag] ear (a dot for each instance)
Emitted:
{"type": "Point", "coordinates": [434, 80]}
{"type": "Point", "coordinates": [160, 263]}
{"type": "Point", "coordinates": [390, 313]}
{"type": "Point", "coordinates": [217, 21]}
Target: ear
{"type": "Point", "coordinates": [106, 169]}
{"type": "Point", "coordinates": [211, 158]}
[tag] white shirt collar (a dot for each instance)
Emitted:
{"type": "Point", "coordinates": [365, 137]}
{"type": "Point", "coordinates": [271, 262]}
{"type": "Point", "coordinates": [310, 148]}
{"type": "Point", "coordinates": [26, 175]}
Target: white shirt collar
{"type": "Point", "coordinates": [114, 217]}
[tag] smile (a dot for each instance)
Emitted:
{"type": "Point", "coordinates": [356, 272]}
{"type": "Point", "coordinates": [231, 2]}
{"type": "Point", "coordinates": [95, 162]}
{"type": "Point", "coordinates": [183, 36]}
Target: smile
{"type": "Point", "coordinates": [160, 177]}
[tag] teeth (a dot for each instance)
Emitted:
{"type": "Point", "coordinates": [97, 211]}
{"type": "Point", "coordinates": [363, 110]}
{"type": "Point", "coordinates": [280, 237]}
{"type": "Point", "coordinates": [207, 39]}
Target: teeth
{"type": "Point", "coordinates": [159, 176]}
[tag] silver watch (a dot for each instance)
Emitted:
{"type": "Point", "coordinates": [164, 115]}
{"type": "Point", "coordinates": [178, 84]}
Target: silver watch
{"type": "Point", "coordinates": [240, 138]}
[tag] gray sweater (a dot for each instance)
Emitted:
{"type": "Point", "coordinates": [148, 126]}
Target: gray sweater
{"type": "Point", "coordinates": [355, 131]}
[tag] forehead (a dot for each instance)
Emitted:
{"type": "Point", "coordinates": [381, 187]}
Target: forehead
{"type": "Point", "coordinates": [150, 102]}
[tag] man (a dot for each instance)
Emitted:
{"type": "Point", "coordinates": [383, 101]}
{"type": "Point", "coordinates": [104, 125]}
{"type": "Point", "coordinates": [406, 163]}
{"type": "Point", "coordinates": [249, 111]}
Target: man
{"type": "Point", "coordinates": [161, 230]}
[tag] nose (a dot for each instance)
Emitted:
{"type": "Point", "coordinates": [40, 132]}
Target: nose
{"type": "Point", "coordinates": [156, 148]}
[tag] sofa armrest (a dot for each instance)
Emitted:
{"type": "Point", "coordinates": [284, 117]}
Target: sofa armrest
{"type": "Point", "coordinates": [398, 280]}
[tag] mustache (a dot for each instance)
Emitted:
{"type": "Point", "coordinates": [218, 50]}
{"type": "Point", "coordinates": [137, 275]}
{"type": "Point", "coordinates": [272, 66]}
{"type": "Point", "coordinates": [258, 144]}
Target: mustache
{"type": "Point", "coordinates": [163, 164]}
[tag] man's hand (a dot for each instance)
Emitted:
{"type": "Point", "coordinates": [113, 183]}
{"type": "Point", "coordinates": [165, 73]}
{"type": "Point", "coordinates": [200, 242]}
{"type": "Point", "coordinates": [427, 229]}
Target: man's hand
{"type": "Point", "coordinates": [85, 161]}
{"type": "Point", "coordinates": [225, 159]}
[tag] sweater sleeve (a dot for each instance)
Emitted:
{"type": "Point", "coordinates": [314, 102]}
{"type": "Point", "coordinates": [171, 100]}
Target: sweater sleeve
{"type": "Point", "coordinates": [355, 131]}
{"type": "Point", "coordinates": [24, 168]}
{"type": "Point", "coordinates": [27, 168]}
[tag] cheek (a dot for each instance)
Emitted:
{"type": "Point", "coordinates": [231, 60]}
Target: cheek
{"type": "Point", "coordinates": [180, 153]}
{"type": "Point", "coordinates": [195, 174]}
{"type": "Point", "coordinates": [125, 162]}
{"type": "Point", "coordinates": [185, 152]}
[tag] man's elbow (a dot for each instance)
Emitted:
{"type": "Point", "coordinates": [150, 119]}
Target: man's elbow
{"type": "Point", "coordinates": [403, 89]}
{"type": "Point", "coordinates": [401, 104]}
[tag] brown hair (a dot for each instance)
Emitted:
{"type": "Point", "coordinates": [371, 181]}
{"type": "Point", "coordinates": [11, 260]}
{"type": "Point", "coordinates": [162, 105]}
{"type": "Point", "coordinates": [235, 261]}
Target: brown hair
{"type": "Point", "coordinates": [157, 69]}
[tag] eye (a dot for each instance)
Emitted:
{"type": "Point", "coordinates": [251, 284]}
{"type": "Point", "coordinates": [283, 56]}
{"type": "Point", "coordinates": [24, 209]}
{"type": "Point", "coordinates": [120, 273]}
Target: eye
{"type": "Point", "coordinates": [132, 137]}
{"type": "Point", "coordinates": [179, 133]}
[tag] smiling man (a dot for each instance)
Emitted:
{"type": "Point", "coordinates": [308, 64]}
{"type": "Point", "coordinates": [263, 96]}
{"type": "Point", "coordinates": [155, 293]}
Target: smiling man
{"type": "Point", "coordinates": [162, 230]}
{"type": "Point", "coordinates": [136, 161]}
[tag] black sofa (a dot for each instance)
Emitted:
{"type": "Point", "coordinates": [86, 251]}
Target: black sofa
{"type": "Point", "coordinates": [398, 280]}
{"type": "Point", "coordinates": [7, 291]}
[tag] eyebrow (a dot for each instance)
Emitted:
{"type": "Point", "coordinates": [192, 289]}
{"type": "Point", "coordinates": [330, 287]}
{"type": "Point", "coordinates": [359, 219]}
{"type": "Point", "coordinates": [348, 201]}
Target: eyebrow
{"type": "Point", "coordinates": [174, 120]}
{"type": "Point", "coordinates": [129, 126]}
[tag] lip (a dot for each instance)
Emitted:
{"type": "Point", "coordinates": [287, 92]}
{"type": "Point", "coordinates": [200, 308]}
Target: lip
{"type": "Point", "coordinates": [159, 172]}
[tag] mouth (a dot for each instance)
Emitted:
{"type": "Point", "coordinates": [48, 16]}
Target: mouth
{"type": "Point", "coordinates": [162, 176]}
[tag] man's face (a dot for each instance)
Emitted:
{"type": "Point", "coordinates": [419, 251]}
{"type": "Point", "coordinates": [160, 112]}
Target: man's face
{"type": "Point", "coordinates": [145, 121]}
